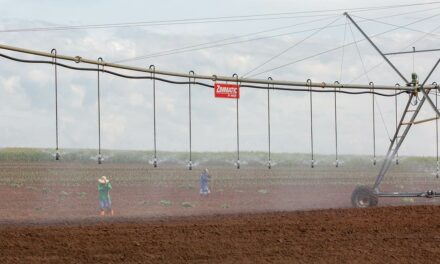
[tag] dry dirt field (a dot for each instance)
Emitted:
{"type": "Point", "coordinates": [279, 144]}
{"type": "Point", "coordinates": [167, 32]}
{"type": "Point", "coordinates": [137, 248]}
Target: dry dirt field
{"type": "Point", "coordinates": [378, 235]}
{"type": "Point", "coordinates": [48, 213]}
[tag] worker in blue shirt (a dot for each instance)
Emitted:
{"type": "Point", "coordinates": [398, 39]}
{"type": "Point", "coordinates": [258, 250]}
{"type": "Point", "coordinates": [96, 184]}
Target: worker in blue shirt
{"type": "Point", "coordinates": [204, 180]}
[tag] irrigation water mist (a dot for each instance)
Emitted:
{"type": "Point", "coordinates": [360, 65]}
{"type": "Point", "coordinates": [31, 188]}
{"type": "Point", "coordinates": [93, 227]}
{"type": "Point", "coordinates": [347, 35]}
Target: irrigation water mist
{"type": "Point", "coordinates": [35, 187]}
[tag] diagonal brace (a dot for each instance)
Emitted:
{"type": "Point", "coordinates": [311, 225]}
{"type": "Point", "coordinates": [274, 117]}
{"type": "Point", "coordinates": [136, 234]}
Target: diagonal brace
{"type": "Point", "coordinates": [376, 48]}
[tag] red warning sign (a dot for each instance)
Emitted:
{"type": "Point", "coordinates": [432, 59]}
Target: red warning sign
{"type": "Point", "coordinates": [226, 90]}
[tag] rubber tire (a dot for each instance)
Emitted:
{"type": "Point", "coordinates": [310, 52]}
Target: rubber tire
{"type": "Point", "coordinates": [363, 197]}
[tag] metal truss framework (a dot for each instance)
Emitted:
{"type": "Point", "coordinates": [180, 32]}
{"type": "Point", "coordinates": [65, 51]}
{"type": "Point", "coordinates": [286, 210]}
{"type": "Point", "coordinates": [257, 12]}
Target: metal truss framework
{"type": "Point", "coordinates": [364, 196]}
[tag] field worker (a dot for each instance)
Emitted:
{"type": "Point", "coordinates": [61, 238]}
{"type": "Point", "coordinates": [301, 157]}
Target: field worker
{"type": "Point", "coordinates": [204, 179]}
{"type": "Point", "coordinates": [104, 187]}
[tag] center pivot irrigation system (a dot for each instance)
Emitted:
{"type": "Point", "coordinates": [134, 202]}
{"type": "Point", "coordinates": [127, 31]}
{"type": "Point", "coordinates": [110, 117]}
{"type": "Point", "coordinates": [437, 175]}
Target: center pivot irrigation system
{"type": "Point", "coordinates": [362, 196]}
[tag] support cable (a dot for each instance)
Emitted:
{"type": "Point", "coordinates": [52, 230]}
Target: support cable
{"type": "Point", "coordinates": [368, 78]}
{"type": "Point", "coordinates": [54, 60]}
{"type": "Point", "coordinates": [359, 52]}
{"type": "Point", "coordinates": [238, 18]}
{"type": "Point", "coordinates": [383, 119]}
{"type": "Point", "coordinates": [233, 40]}
{"type": "Point", "coordinates": [221, 42]}
{"type": "Point", "coordinates": [238, 129]}
{"type": "Point", "coordinates": [64, 28]}
{"type": "Point", "coordinates": [373, 101]}
{"type": "Point", "coordinates": [312, 164]}
{"type": "Point", "coordinates": [153, 77]}
{"type": "Point", "coordinates": [291, 47]}
{"type": "Point", "coordinates": [269, 162]}
{"type": "Point", "coordinates": [373, 98]}
{"type": "Point", "coordinates": [394, 25]}
{"type": "Point", "coordinates": [190, 121]}
{"type": "Point", "coordinates": [340, 47]}
{"type": "Point", "coordinates": [99, 114]}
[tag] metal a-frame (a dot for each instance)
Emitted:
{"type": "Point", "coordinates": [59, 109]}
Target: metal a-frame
{"type": "Point", "coordinates": [366, 196]}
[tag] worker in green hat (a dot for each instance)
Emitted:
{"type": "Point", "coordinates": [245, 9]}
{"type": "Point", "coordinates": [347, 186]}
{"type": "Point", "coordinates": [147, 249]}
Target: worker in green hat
{"type": "Point", "coordinates": [104, 187]}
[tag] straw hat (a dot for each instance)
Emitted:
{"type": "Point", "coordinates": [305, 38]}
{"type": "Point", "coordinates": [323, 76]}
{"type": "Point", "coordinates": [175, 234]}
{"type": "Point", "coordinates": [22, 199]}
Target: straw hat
{"type": "Point", "coordinates": [103, 180]}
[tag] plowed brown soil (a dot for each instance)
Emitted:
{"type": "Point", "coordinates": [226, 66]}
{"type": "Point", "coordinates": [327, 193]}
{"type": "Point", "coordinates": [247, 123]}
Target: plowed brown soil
{"type": "Point", "coordinates": [378, 235]}
{"type": "Point", "coordinates": [49, 214]}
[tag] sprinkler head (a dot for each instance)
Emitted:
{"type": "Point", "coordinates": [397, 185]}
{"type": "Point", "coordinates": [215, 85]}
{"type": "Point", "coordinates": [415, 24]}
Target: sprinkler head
{"type": "Point", "coordinates": [57, 156]}
{"type": "Point", "coordinates": [190, 165]}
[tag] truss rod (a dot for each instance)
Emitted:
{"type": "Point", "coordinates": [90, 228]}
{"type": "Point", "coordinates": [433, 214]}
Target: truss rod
{"type": "Point", "coordinates": [292, 84]}
{"type": "Point", "coordinates": [414, 51]}
{"type": "Point", "coordinates": [421, 121]}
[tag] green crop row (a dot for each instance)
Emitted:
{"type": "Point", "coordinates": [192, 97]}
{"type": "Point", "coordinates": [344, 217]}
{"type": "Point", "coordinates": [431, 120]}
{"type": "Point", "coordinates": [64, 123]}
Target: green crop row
{"type": "Point", "coordinates": [206, 159]}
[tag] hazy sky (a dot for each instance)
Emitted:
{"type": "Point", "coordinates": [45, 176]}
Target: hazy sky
{"type": "Point", "coordinates": [27, 91]}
